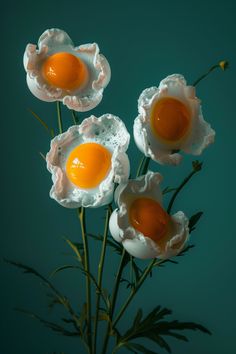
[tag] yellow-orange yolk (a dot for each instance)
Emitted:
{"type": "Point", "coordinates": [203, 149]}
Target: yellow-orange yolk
{"type": "Point", "coordinates": [88, 164]}
{"type": "Point", "coordinates": [170, 119]}
{"type": "Point", "coordinates": [148, 217]}
{"type": "Point", "coordinates": [64, 70]}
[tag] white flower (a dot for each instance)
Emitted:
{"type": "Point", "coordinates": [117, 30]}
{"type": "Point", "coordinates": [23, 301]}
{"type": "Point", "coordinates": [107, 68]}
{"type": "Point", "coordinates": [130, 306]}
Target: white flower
{"type": "Point", "coordinates": [87, 160]}
{"type": "Point", "coordinates": [59, 71]}
{"type": "Point", "coordinates": [142, 225]}
{"type": "Point", "coordinates": [170, 119]}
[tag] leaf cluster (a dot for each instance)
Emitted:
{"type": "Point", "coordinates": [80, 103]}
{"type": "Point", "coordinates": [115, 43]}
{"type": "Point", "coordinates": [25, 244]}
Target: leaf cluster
{"type": "Point", "coordinates": [155, 327]}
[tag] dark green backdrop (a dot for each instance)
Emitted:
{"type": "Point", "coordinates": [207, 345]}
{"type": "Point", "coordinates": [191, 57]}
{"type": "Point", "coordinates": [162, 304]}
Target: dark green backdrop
{"type": "Point", "coordinates": [144, 41]}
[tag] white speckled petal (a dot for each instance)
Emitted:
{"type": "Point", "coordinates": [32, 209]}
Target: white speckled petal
{"type": "Point", "coordinates": [108, 131]}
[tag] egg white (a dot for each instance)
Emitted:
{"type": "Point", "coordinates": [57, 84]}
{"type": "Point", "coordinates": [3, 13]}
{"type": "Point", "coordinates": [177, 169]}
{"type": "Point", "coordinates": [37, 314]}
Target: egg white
{"type": "Point", "coordinates": [198, 137]}
{"type": "Point", "coordinates": [108, 131]}
{"type": "Point", "coordinates": [85, 97]}
{"type": "Point", "coordinates": [134, 241]}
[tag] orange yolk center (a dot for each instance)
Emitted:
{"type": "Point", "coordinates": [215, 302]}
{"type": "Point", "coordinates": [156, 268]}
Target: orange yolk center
{"type": "Point", "coordinates": [147, 216]}
{"type": "Point", "coordinates": [65, 71]}
{"type": "Point", "coordinates": [170, 119]}
{"type": "Point", "coordinates": [88, 164]}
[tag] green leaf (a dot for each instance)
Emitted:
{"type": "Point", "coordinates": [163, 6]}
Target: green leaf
{"type": "Point", "coordinates": [46, 127]}
{"type": "Point", "coordinates": [42, 155]}
{"type": "Point", "coordinates": [140, 348]}
{"type": "Point", "coordinates": [176, 325]}
{"type": "Point", "coordinates": [53, 326]}
{"type": "Point", "coordinates": [103, 316]}
{"type": "Point", "coordinates": [154, 327]}
{"type": "Point", "coordinates": [53, 301]}
{"type": "Point", "coordinates": [168, 190]}
{"type": "Point", "coordinates": [76, 247]}
{"type": "Point", "coordinates": [61, 298]}
{"type": "Point", "coordinates": [82, 317]}
{"type": "Point", "coordinates": [104, 293]}
{"type": "Point", "coordinates": [185, 250]}
{"type": "Point", "coordinates": [59, 269]}
{"type": "Point", "coordinates": [138, 318]}
{"type": "Point", "coordinates": [194, 220]}
{"type": "Point", "coordinates": [115, 245]}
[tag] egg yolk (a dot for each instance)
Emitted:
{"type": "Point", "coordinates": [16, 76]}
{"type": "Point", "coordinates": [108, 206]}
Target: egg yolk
{"type": "Point", "coordinates": [148, 217]}
{"type": "Point", "coordinates": [88, 164]}
{"type": "Point", "coordinates": [170, 119]}
{"type": "Point", "coordinates": [64, 70]}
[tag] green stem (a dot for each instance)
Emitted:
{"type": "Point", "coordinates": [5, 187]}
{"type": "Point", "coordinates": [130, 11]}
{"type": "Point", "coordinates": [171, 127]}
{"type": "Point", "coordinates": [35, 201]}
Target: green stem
{"type": "Point", "coordinates": [74, 117]}
{"type": "Point", "coordinates": [59, 119]}
{"type": "Point", "coordinates": [134, 291]}
{"type": "Point", "coordinates": [206, 74]}
{"type": "Point", "coordinates": [113, 299]}
{"type": "Point", "coordinates": [142, 169]}
{"type": "Point", "coordinates": [140, 166]}
{"type": "Point", "coordinates": [146, 165]}
{"type": "Point", "coordinates": [196, 168]}
{"type": "Point", "coordinates": [81, 214]}
{"type": "Point", "coordinates": [100, 273]}
{"type": "Point", "coordinates": [143, 166]}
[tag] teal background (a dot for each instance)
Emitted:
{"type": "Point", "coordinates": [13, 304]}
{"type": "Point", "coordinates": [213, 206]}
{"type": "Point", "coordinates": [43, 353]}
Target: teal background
{"type": "Point", "coordinates": [144, 41]}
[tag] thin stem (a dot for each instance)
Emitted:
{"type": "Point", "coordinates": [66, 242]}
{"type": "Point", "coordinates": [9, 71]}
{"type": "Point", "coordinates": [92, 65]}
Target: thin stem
{"type": "Point", "coordinates": [134, 291]}
{"type": "Point", "coordinates": [221, 65]}
{"type": "Point", "coordinates": [100, 273]}
{"type": "Point", "coordinates": [59, 118]}
{"type": "Point", "coordinates": [146, 165]}
{"type": "Point", "coordinates": [143, 166]}
{"type": "Point", "coordinates": [81, 214]}
{"type": "Point", "coordinates": [117, 282]}
{"type": "Point", "coordinates": [196, 168]}
{"type": "Point", "coordinates": [113, 299]}
{"type": "Point", "coordinates": [140, 166]}
{"type": "Point", "coordinates": [74, 117]}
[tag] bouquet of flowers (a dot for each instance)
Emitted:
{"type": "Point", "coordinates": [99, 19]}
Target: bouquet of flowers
{"type": "Point", "coordinates": [91, 169]}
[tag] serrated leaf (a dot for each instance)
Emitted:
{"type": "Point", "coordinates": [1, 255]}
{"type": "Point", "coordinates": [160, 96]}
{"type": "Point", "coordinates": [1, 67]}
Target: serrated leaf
{"type": "Point", "coordinates": [61, 298]}
{"type": "Point", "coordinates": [153, 327]}
{"type": "Point", "coordinates": [138, 318]}
{"type": "Point", "coordinates": [194, 220]}
{"type": "Point", "coordinates": [176, 325]}
{"type": "Point", "coordinates": [177, 336]}
{"type": "Point", "coordinates": [53, 326]}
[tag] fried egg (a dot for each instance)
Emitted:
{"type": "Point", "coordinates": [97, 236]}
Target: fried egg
{"type": "Point", "coordinates": [87, 160]}
{"type": "Point", "coordinates": [141, 224]}
{"type": "Point", "coordinates": [170, 120]}
{"type": "Point", "coordinates": [59, 71]}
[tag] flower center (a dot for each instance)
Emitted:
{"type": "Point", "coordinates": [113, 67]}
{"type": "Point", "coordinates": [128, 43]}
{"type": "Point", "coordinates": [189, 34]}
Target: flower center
{"type": "Point", "coordinates": [147, 216]}
{"type": "Point", "coordinates": [65, 71]}
{"type": "Point", "coordinates": [170, 119]}
{"type": "Point", "coordinates": [88, 164]}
